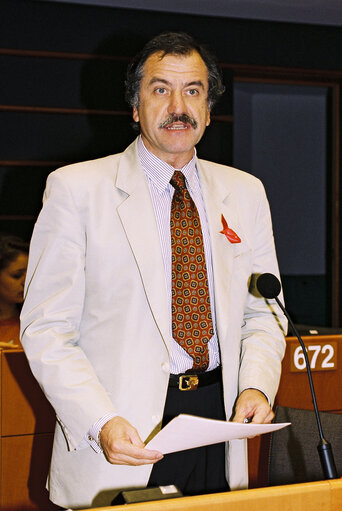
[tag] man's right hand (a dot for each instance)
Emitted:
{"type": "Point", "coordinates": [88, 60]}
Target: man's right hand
{"type": "Point", "coordinates": [122, 444]}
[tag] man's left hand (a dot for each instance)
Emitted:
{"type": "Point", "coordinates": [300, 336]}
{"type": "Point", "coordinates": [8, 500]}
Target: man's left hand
{"type": "Point", "coordinates": [253, 405]}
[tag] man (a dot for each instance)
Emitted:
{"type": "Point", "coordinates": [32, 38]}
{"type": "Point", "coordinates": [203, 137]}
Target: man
{"type": "Point", "coordinates": [117, 315]}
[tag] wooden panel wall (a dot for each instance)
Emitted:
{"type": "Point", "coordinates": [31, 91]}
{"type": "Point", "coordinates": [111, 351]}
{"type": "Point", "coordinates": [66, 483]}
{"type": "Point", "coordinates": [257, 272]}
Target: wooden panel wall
{"type": "Point", "coordinates": [55, 118]}
{"type": "Point", "coordinates": [26, 431]}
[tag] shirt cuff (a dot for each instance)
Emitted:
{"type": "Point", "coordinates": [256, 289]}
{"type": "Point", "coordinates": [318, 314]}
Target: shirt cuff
{"type": "Point", "coordinates": [92, 437]}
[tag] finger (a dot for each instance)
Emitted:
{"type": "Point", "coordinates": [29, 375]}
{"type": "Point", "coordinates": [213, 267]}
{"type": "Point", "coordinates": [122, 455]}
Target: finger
{"type": "Point", "coordinates": [126, 460]}
{"type": "Point", "coordinates": [139, 453]}
{"type": "Point", "coordinates": [243, 411]}
{"type": "Point", "coordinates": [240, 416]}
{"type": "Point", "coordinates": [269, 418]}
{"type": "Point", "coordinates": [126, 453]}
{"type": "Point", "coordinates": [263, 415]}
{"type": "Point", "coordinates": [123, 459]}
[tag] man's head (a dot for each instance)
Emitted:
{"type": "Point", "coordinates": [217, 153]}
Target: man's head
{"type": "Point", "coordinates": [173, 43]}
{"type": "Point", "coordinates": [172, 85]}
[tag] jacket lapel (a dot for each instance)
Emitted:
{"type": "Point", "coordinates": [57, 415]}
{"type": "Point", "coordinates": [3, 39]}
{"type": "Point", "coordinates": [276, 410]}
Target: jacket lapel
{"type": "Point", "coordinates": [138, 220]}
{"type": "Point", "coordinates": [220, 200]}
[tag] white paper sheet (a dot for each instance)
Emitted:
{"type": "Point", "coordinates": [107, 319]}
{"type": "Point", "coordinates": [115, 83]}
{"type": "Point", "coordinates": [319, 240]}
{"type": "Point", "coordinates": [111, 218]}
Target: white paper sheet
{"type": "Point", "coordinates": [189, 431]}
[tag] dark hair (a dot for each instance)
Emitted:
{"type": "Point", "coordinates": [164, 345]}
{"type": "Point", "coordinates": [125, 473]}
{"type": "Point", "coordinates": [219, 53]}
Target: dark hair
{"type": "Point", "coordinates": [10, 247]}
{"type": "Point", "coordinates": [173, 43]}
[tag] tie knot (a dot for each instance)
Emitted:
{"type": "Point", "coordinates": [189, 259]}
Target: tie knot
{"type": "Point", "coordinates": [178, 180]}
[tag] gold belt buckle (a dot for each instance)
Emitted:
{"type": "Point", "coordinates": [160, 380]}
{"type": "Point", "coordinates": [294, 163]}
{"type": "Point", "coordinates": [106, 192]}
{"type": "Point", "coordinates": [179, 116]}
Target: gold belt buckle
{"type": "Point", "coordinates": [190, 382]}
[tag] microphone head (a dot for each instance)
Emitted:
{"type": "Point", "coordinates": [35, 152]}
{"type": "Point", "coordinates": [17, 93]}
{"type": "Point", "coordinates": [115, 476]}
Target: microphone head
{"type": "Point", "coordinates": [268, 285]}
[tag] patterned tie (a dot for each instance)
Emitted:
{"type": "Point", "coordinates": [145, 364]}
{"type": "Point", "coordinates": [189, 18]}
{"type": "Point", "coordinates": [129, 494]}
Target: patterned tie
{"type": "Point", "coordinates": [192, 325]}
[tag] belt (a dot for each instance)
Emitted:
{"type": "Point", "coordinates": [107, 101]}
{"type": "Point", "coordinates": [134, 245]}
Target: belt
{"type": "Point", "coordinates": [190, 381]}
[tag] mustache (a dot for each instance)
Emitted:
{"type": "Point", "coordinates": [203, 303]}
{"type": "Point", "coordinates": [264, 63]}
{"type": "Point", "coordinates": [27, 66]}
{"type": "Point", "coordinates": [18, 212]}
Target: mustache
{"type": "Point", "coordinates": [185, 118]}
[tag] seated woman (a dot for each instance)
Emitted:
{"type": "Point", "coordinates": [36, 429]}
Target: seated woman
{"type": "Point", "coordinates": [13, 264]}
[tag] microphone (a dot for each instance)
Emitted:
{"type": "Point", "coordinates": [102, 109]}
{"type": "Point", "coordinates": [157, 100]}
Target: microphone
{"type": "Point", "coordinates": [269, 287]}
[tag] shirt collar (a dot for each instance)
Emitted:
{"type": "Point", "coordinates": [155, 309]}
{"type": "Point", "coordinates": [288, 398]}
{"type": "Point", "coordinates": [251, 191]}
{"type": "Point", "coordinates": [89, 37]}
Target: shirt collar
{"type": "Point", "coordinates": [160, 172]}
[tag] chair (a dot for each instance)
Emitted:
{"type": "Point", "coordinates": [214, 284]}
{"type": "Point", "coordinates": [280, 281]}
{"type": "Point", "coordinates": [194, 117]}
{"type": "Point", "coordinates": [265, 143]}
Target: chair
{"type": "Point", "coordinates": [293, 455]}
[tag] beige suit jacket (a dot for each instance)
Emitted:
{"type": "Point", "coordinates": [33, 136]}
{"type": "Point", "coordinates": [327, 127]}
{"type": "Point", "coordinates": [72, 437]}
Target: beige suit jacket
{"type": "Point", "coordinates": [95, 323]}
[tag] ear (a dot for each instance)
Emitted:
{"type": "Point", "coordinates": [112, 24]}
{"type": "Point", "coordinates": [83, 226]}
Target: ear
{"type": "Point", "coordinates": [208, 118]}
{"type": "Point", "coordinates": [135, 114]}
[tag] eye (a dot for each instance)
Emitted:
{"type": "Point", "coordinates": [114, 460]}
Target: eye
{"type": "Point", "coordinates": [192, 92]}
{"type": "Point", "coordinates": [18, 275]}
{"type": "Point", "coordinates": [160, 90]}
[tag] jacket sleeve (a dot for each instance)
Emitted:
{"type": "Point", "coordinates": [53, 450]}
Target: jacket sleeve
{"type": "Point", "coordinates": [264, 325]}
{"type": "Point", "coordinates": [52, 313]}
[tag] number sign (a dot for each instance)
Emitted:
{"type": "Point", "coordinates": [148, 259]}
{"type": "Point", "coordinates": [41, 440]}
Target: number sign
{"type": "Point", "coordinates": [322, 356]}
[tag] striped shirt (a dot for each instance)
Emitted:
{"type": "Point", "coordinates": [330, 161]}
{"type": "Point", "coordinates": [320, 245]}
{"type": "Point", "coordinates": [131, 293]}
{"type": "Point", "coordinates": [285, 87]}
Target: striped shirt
{"type": "Point", "coordinates": [158, 174]}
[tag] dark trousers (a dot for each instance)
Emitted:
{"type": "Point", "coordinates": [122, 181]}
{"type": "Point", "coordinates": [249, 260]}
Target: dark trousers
{"type": "Point", "coordinates": [194, 471]}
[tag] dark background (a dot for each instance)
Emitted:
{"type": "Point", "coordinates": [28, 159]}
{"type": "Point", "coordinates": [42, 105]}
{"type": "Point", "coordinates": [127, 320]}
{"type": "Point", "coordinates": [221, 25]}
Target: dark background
{"type": "Point", "coordinates": [61, 100]}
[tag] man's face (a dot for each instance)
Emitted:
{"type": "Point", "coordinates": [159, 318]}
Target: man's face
{"type": "Point", "coordinates": [173, 108]}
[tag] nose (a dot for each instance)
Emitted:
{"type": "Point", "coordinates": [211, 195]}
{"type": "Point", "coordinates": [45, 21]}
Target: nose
{"type": "Point", "coordinates": [177, 103]}
{"type": "Point", "coordinates": [22, 280]}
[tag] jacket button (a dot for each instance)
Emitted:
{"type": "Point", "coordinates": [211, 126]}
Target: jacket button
{"type": "Point", "coordinates": [166, 367]}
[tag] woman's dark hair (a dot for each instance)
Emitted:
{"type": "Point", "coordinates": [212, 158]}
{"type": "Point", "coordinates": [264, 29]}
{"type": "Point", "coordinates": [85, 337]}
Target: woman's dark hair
{"type": "Point", "coordinates": [10, 247]}
{"type": "Point", "coordinates": [173, 43]}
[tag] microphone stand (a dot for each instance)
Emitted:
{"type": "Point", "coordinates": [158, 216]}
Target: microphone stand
{"type": "Point", "coordinates": [324, 447]}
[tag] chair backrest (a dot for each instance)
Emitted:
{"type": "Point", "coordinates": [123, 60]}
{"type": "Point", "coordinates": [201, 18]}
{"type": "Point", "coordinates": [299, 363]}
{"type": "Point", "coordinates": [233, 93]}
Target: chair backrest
{"type": "Point", "coordinates": [293, 455]}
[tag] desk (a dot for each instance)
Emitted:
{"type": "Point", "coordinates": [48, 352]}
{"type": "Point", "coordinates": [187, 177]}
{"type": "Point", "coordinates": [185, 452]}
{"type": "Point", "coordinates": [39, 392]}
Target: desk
{"type": "Point", "coordinates": [27, 424]}
{"type": "Point", "coordinates": [294, 391]}
{"type": "Point", "coordinates": [318, 496]}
